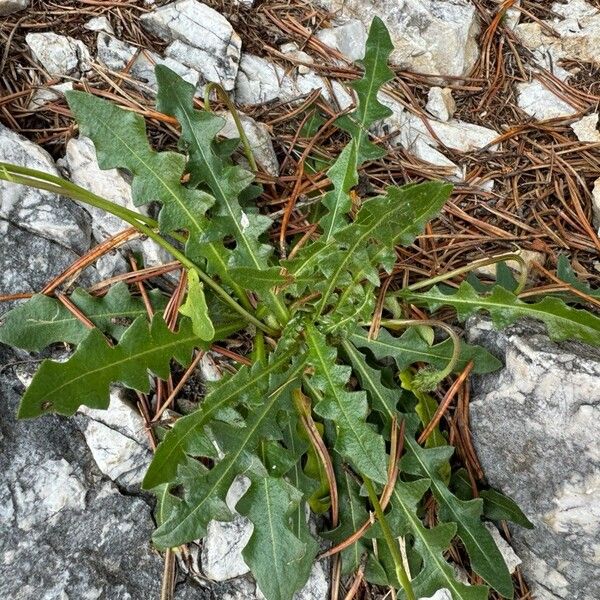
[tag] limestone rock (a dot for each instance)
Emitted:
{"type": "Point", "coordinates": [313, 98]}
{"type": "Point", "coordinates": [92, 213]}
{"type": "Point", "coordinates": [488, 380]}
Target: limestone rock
{"type": "Point", "coordinates": [116, 55]}
{"type": "Point", "coordinates": [100, 23]}
{"type": "Point", "coordinates": [65, 530]}
{"type": "Point", "coordinates": [536, 429]}
{"type": "Point", "coordinates": [258, 80]}
{"type": "Point", "coordinates": [43, 96]}
{"type": "Point", "coordinates": [349, 39]}
{"type": "Point", "coordinates": [8, 7]}
{"type": "Point", "coordinates": [259, 139]}
{"type": "Point", "coordinates": [117, 440]}
{"type": "Point", "coordinates": [199, 37]}
{"type": "Point", "coordinates": [45, 214]}
{"type": "Point", "coordinates": [81, 166]}
{"type": "Point", "coordinates": [578, 27]}
{"type": "Point", "coordinates": [586, 129]}
{"type": "Point", "coordinates": [437, 37]}
{"type": "Point", "coordinates": [222, 547]}
{"type": "Point", "coordinates": [440, 103]}
{"type": "Point", "coordinates": [508, 554]}
{"type": "Point", "coordinates": [541, 103]}
{"type": "Point", "coordinates": [291, 49]}
{"type": "Point", "coordinates": [59, 55]}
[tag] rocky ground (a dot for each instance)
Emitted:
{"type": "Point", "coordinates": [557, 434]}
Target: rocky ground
{"type": "Point", "coordinates": [500, 97]}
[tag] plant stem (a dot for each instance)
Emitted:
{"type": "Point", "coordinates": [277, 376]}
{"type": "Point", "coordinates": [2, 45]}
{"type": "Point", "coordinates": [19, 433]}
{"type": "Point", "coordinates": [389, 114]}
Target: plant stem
{"type": "Point", "coordinates": [392, 543]}
{"type": "Point", "coordinates": [492, 260]}
{"type": "Point", "coordinates": [142, 223]}
{"type": "Point", "coordinates": [236, 118]}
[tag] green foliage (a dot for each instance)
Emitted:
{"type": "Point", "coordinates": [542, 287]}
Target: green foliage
{"type": "Point", "coordinates": [562, 322]}
{"type": "Point", "coordinates": [316, 309]}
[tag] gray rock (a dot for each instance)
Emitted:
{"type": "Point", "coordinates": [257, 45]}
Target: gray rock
{"type": "Point", "coordinates": [59, 55]}
{"type": "Point", "coordinates": [100, 23]}
{"type": "Point", "coordinates": [541, 103]}
{"type": "Point", "coordinates": [536, 428]}
{"type": "Point", "coordinates": [292, 51]}
{"type": "Point", "coordinates": [28, 262]}
{"type": "Point", "coordinates": [81, 166]}
{"type": "Point", "coordinates": [8, 7]}
{"type": "Point", "coordinates": [258, 80]}
{"type": "Point", "coordinates": [222, 547]}
{"type": "Point", "coordinates": [199, 37]}
{"type": "Point", "coordinates": [65, 530]}
{"type": "Point", "coordinates": [259, 139]}
{"type": "Point", "coordinates": [437, 37]}
{"type": "Point", "coordinates": [116, 55]}
{"type": "Point", "coordinates": [440, 103]}
{"type": "Point", "coordinates": [43, 213]}
{"type": "Point", "coordinates": [586, 129]}
{"type": "Point", "coordinates": [43, 96]}
{"type": "Point", "coordinates": [349, 39]}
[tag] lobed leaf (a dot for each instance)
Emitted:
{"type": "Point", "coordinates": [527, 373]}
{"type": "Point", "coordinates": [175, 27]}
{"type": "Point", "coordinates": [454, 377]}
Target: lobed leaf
{"type": "Point", "coordinates": [196, 309]}
{"type": "Point", "coordinates": [43, 320]}
{"type": "Point", "coordinates": [205, 493]}
{"type": "Point", "coordinates": [121, 143]}
{"type": "Point", "coordinates": [274, 553]}
{"type": "Point", "coordinates": [562, 321]}
{"type": "Point", "coordinates": [86, 377]}
{"type": "Point", "coordinates": [356, 440]}
{"type": "Point", "coordinates": [410, 348]}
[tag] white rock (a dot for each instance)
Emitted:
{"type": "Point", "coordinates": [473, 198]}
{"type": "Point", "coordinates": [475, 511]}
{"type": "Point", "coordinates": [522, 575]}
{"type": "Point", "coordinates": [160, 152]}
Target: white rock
{"type": "Point", "coordinates": [259, 139]}
{"type": "Point", "coordinates": [586, 129]}
{"type": "Point", "coordinates": [8, 7]}
{"type": "Point", "coordinates": [440, 103]}
{"type": "Point", "coordinates": [291, 49]}
{"type": "Point", "coordinates": [81, 164]}
{"type": "Point", "coordinates": [512, 16]}
{"type": "Point", "coordinates": [245, 3]}
{"type": "Point", "coordinates": [258, 80]}
{"type": "Point", "coordinates": [508, 554]}
{"type": "Point", "coordinates": [438, 37]}
{"type": "Point", "coordinates": [348, 39]}
{"type": "Point", "coordinates": [317, 586]}
{"type": "Point", "coordinates": [118, 456]}
{"type": "Point", "coordinates": [224, 541]}
{"type": "Point", "coordinates": [442, 594]}
{"type": "Point", "coordinates": [596, 204]}
{"type": "Point", "coordinates": [100, 23]}
{"type": "Point", "coordinates": [333, 92]}
{"type": "Point", "coordinates": [541, 103]}
{"type": "Point", "coordinates": [578, 29]}
{"type": "Point", "coordinates": [199, 37]}
{"type": "Point", "coordinates": [59, 55]}
{"type": "Point", "coordinates": [530, 257]}
{"type": "Point", "coordinates": [51, 487]}
{"type": "Point", "coordinates": [43, 96]}
{"type": "Point", "coordinates": [39, 212]}
{"type": "Point", "coordinates": [116, 55]}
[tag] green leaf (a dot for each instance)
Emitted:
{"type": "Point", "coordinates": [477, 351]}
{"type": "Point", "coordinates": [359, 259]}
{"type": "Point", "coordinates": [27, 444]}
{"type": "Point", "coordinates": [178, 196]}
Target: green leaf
{"type": "Point", "coordinates": [121, 143]}
{"type": "Point", "coordinates": [259, 281]}
{"type": "Point", "coordinates": [356, 440]}
{"type": "Point", "coordinates": [486, 559]}
{"type": "Point", "coordinates": [343, 176]}
{"type": "Point", "coordinates": [274, 553]}
{"type": "Point", "coordinates": [43, 320]}
{"type": "Point", "coordinates": [565, 272]}
{"type": "Point", "coordinates": [396, 218]}
{"type": "Point", "coordinates": [377, 72]}
{"type": "Point", "coordinates": [498, 507]}
{"type": "Point", "coordinates": [352, 515]}
{"type": "Point", "coordinates": [431, 544]}
{"type": "Point", "coordinates": [410, 348]}
{"type": "Point", "coordinates": [188, 436]}
{"type": "Point", "coordinates": [205, 495]}
{"type": "Point", "coordinates": [196, 309]}
{"type": "Point", "coordinates": [225, 181]}
{"type": "Point", "coordinates": [562, 321]}
{"type": "Point", "coordinates": [86, 377]}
